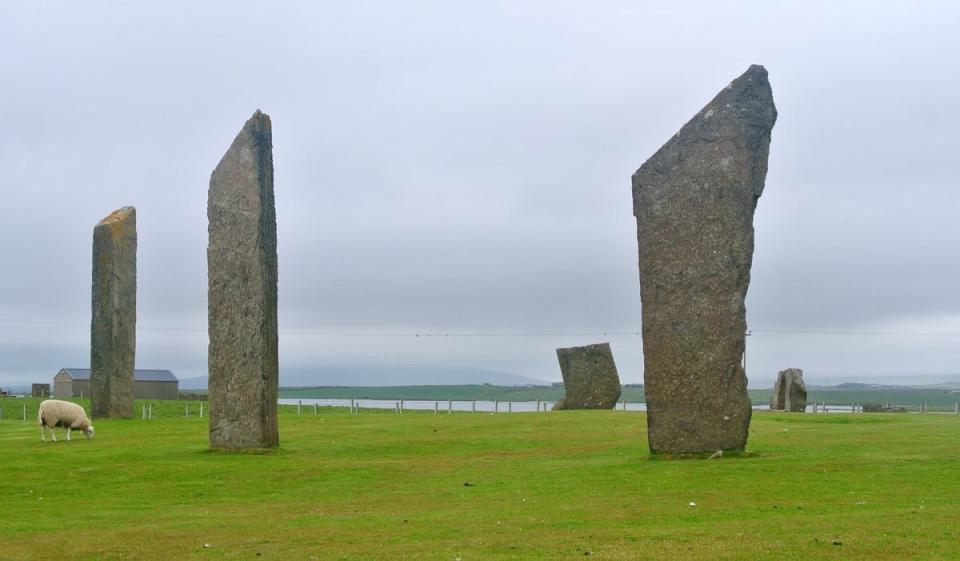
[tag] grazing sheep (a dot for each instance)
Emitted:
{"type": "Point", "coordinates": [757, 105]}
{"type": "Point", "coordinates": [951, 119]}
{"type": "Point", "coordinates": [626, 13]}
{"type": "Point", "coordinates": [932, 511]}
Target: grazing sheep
{"type": "Point", "coordinates": [55, 413]}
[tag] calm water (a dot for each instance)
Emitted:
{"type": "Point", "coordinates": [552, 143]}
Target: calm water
{"type": "Point", "coordinates": [481, 406]}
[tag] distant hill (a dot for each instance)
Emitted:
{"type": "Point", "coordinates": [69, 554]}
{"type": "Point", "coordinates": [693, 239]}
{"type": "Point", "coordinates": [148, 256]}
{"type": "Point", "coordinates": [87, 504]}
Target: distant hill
{"type": "Point", "coordinates": [862, 386]}
{"type": "Point", "coordinates": [385, 375]}
{"type": "Point", "coordinates": [196, 383]}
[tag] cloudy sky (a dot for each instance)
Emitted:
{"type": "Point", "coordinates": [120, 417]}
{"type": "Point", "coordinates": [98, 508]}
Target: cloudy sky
{"type": "Point", "coordinates": [464, 168]}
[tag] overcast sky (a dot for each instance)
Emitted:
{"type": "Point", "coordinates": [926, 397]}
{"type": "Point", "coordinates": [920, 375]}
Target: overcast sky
{"type": "Point", "coordinates": [464, 168]}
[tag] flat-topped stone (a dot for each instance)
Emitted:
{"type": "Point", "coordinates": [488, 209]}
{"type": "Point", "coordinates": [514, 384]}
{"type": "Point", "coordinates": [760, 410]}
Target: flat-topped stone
{"type": "Point", "coordinates": [113, 324]}
{"type": "Point", "coordinates": [789, 391]}
{"type": "Point", "coordinates": [590, 378]}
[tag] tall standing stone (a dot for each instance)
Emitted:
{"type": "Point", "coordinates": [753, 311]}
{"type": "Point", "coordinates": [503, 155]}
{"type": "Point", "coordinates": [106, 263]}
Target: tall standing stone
{"type": "Point", "coordinates": [590, 378]}
{"type": "Point", "coordinates": [694, 202]}
{"type": "Point", "coordinates": [242, 299]}
{"type": "Point", "coordinates": [113, 335]}
{"type": "Point", "coordinates": [789, 391]}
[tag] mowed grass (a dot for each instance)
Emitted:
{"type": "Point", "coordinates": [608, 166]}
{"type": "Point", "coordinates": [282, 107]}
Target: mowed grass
{"type": "Point", "coordinates": [565, 485]}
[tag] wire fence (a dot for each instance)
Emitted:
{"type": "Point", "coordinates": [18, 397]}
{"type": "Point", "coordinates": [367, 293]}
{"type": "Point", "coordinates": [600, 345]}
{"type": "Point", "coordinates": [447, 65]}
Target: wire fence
{"type": "Point", "coordinates": [25, 409]}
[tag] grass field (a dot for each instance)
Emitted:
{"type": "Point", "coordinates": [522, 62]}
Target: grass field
{"type": "Point", "coordinates": [566, 485]}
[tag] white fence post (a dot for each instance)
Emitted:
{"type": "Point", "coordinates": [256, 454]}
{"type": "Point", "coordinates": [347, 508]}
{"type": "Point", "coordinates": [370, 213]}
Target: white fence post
{"type": "Point", "coordinates": [351, 406]}
{"type": "Point", "coordinates": [396, 407]}
{"type": "Point", "coordinates": [24, 411]}
{"type": "Point", "coordinates": [509, 407]}
{"type": "Point", "coordinates": [299, 405]}
{"type": "Point", "coordinates": [474, 407]}
{"type": "Point", "coordinates": [151, 410]}
{"type": "Point", "coordinates": [624, 404]}
{"type": "Point", "coordinates": [449, 406]}
{"type": "Point", "coordinates": [201, 409]}
{"type": "Point", "coordinates": [496, 406]}
{"type": "Point", "coordinates": [401, 406]}
{"type": "Point", "coordinates": [436, 407]}
{"type": "Point", "coordinates": [956, 408]}
{"type": "Point", "coordinates": [186, 410]}
{"type": "Point", "coordinates": [316, 408]}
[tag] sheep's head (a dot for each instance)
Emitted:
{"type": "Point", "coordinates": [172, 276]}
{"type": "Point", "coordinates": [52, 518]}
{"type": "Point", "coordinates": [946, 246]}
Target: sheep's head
{"type": "Point", "coordinates": [88, 431]}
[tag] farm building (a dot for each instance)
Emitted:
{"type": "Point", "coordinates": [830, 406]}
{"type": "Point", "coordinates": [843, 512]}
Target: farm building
{"type": "Point", "coordinates": [147, 384]}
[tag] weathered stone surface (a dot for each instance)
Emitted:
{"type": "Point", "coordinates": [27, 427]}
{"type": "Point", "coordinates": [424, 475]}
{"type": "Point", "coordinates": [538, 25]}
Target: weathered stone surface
{"type": "Point", "coordinates": [590, 378]}
{"type": "Point", "coordinates": [113, 327]}
{"type": "Point", "coordinates": [789, 392]}
{"type": "Point", "coordinates": [242, 298]}
{"type": "Point", "coordinates": [694, 201]}
{"type": "Point", "coordinates": [40, 390]}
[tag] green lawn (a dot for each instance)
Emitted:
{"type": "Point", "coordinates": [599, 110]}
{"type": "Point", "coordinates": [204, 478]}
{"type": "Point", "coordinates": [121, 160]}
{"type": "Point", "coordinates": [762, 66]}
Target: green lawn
{"type": "Point", "coordinates": [566, 485]}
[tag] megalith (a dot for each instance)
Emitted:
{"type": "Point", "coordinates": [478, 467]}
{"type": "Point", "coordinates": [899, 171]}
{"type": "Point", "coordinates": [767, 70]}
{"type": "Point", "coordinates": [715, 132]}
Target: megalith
{"type": "Point", "coordinates": [40, 390]}
{"type": "Point", "coordinates": [789, 391]}
{"type": "Point", "coordinates": [590, 378]}
{"type": "Point", "coordinates": [242, 357]}
{"type": "Point", "coordinates": [694, 201]}
{"type": "Point", "coordinates": [113, 325]}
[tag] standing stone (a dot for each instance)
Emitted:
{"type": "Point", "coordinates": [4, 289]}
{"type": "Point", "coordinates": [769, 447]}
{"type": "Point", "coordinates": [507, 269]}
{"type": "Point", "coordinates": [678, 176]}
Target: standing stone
{"type": "Point", "coordinates": [789, 392]}
{"type": "Point", "coordinates": [590, 378]}
{"type": "Point", "coordinates": [40, 390]}
{"type": "Point", "coordinates": [242, 299]}
{"type": "Point", "coordinates": [694, 201]}
{"type": "Point", "coordinates": [113, 328]}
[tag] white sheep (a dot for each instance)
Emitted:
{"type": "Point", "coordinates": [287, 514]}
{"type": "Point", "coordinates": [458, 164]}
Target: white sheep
{"type": "Point", "coordinates": [55, 413]}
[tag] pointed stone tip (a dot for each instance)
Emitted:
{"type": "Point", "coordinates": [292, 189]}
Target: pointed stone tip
{"type": "Point", "coordinates": [756, 74]}
{"type": "Point", "coordinates": [259, 119]}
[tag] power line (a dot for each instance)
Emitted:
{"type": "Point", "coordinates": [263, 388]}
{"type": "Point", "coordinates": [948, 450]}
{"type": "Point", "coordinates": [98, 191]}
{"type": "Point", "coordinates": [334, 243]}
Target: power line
{"type": "Point", "coordinates": [75, 324]}
{"type": "Point", "coordinates": [879, 333]}
{"type": "Point", "coordinates": [432, 334]}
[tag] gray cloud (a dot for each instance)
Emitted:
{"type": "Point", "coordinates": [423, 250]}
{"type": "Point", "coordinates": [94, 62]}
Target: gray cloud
{"type": "Point", "coordinates": [461, 169]}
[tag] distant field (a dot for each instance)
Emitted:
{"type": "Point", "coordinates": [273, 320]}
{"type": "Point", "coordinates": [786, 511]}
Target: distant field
{"type": "Point", "coordinates": [942, 400]}
{"type": "Point", "coordinates": [566, 485]}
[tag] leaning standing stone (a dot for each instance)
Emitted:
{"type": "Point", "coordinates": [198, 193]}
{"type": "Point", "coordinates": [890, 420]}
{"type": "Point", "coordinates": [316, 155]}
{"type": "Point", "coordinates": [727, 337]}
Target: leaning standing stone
{"type": "Point", "coordinates": [113, 327]}
{"type": "Point", "coordinates": [789, 392]}
{"type": "Point", "coordinates": [590, 379]}
{"type": "Point", "coordinates": [694, 201]}
{"type": "Point", "coordinates": [242, 298]}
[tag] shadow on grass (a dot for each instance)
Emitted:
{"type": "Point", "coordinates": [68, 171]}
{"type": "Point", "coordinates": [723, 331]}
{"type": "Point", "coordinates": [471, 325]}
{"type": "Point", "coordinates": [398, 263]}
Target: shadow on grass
{"type": "Point", "coordinates": [722, 455]}
{"type": "Point", "coordinates": [246, 451]}
{"type": "Point", "coordinates": [840, 419]}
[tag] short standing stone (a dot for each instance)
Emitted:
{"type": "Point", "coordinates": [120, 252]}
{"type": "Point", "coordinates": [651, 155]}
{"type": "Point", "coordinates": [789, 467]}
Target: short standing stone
{"type": "Point", "coordinates": [590, 378]}
{"type": "Point", "coordinates": [242, 298]}
{"type": "Point", "coordinates": [113, 328]}
{"type": "Point", "coordinates": [694, 202]}
{"type": "Point", "coordinates": [789, 392]}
